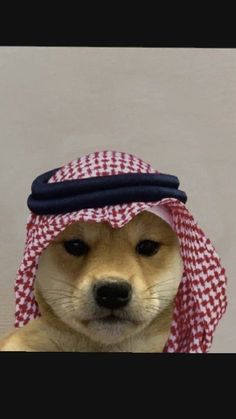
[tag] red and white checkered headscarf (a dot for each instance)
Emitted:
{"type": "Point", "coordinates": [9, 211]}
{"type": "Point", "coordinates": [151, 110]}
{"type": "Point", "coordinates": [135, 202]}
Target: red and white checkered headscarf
{"type": "Point", "coordinates": [201, 299]}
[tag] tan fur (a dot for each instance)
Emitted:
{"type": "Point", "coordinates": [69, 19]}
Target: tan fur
{"type": "Point", "coordinates": [64, 282]}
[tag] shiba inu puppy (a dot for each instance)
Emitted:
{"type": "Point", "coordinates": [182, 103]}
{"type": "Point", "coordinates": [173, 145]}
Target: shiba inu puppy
{"type": "Point", "coordinates": [101, 289]}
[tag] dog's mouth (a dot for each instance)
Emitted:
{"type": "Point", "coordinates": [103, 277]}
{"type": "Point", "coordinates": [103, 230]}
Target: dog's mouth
{"type": "Point", "coordinates": [111, 319]}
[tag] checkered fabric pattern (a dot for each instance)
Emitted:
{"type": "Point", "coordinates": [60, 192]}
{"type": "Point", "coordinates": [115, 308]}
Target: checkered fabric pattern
{"type": "Point", "coordinates": [201, 298]}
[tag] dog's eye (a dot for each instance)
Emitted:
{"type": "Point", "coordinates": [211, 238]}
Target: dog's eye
{"type": "Point", "coordinates": [76, 247]}
{"type": "Point", "coordinates": [147, 247]}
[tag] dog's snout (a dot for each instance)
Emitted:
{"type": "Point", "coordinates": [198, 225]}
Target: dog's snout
{"type": "Point", "coordinates": [112, 294]}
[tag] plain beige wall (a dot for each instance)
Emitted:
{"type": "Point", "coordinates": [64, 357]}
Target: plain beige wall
{"type": "Point", "coordinates": [175, 108]}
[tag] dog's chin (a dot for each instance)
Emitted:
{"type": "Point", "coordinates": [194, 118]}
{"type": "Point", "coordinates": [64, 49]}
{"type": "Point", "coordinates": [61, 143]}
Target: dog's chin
{"type": "Point", "coordinates": [108, 330]}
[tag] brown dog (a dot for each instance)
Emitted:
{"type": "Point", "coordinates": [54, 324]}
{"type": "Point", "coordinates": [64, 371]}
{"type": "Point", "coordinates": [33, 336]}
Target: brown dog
{"type": "Point", "coordinates": [101, 289]}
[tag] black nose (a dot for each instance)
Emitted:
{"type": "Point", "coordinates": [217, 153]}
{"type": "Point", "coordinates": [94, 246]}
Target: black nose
{"type": "Point", "coordinates": [112, 294]}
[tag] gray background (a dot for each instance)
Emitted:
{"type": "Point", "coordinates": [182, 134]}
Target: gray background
{"type": "Point", "coordinates": [174, 108]}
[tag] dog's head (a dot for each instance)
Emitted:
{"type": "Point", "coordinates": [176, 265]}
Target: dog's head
{"type": "Point", "coordinates": [111, 283]}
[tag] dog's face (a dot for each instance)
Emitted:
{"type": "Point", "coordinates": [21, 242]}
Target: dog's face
{"type": "Point", "coordinates": [107, 283]}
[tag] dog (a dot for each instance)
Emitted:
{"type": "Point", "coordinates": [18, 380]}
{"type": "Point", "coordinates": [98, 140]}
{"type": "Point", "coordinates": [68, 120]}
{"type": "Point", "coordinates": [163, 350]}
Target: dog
{"type": "Point", "coordinates": [104, 289]}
